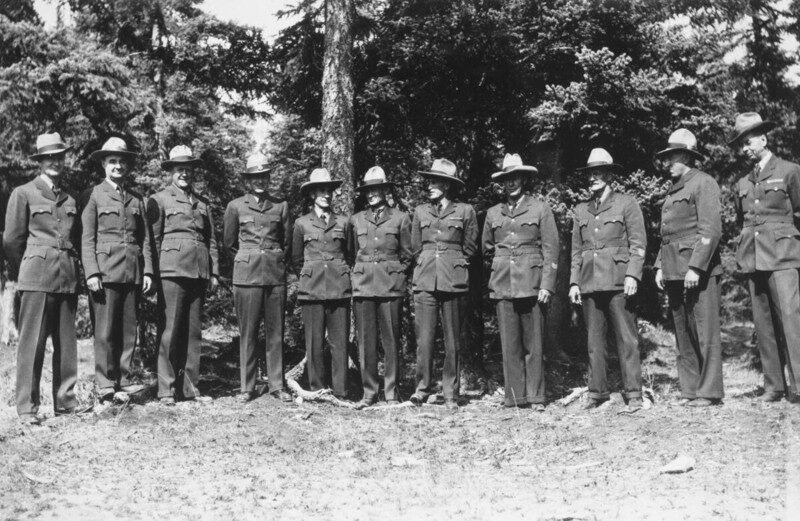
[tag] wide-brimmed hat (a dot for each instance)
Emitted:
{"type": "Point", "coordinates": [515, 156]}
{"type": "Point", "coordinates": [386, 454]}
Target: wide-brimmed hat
{"type": "Point", "coordinates": [749, 123]}
{"type": "Point", "coordinates": [48, 145]}
{"type": "Point", "coordinates": [114, 146]}
{"type": "Point", "coordinates": [599, 158]}
{"type": "Point", "coordinates": [682, 140]}
{"type": "Point", "coordinates": [319, 177]}
{"type": "Point", "coordinates": [443, 169]}
{"type": "Point", "coordinates": [375, 176]}
{"type": "Point", "coordinates": [181, 155]}
{"type": "Point", "coordinates": [257, 164]}
{"type": "Point", "coordinates": [512, 163]}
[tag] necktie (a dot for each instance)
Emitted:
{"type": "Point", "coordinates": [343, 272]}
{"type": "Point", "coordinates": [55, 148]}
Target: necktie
{"type": "Point", "coordinates": [56, 191]}
{"type": "Point", "coordinates": [325, 219]}
{"type": "Point", "coordinates": [121, 192]}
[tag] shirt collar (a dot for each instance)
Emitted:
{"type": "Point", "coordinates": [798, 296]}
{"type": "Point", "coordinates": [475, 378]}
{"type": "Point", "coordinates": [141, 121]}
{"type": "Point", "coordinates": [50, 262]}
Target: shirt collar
{"type": "Point", "coordinates": [47, 181]}
{"type": "Point", "coordinates": [764, 160]}
{"type": "Point", "coordinates": [114, 185]}
{"type": "Point", "coordinates": [319, 212]}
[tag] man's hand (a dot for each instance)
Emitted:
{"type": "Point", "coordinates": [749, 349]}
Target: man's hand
{"type": "Point", "coordinates": [147, 284]}
{"type": "Point", "coordinates": [691, 280]}
{"type": "Point", "coordinates": [660, 279]}
{"type": "Point", "coordinates": [213, 283]}
{"type": "Point", "coordinates": [631, 286]}
{"type": "Point", "coordinates": [544, 296]}
{"type": "Point", "coordinates": [575, 295]}
{"type": "Point", "coordinates": [94, 284]}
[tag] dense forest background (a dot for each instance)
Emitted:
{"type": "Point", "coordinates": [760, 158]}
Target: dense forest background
{"type": "Point", "coordinates": [467, 79]}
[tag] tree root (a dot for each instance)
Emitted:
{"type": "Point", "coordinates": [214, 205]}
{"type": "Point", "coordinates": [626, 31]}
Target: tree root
{"type": "Point", "coordinates": [323, 395]}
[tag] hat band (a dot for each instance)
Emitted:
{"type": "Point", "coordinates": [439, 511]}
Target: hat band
{"type": "Point", "coordinates": [440, 172]}
{"type": "Point", "coordinates": [182, 158]}
{"type": "Point", "coordinates": [378, 181]}
{"type": "Point", "coordinates": [56, 147]}
{"type": "Point", "coordinates": [116, 150]}
{"type": "Point", "coordinates": [255, 169]}
{"type": "Point", "coordinates": [680, 145]}
{"type": "Point", "coordinates": [510, 168]}
{"type": "Point", "coordinates": [592, 164]}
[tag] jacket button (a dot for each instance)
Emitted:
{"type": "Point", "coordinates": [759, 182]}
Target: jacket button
{"type": "Point", "coordinates": [596, 216]}
{"type": "Point", "coordinates": [597, 229]}
{"type": "Point", "coordinates": [512, 262]}
{"type": "Point", "coordinates": [595, 254]}
{"type": "Point", "coordinates": [756, 233]}
{"type": "Point", "coordinates": [756, 201]}
{"type": "Point", "coordinates": [325, 266]}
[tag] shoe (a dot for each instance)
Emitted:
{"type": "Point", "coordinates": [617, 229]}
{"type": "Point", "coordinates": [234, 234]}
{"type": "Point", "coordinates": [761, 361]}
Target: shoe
{"type": "Point", "coordinates": [417, 399]}
{"type": "Point", "coordinates": [392, 402]}
{"type": "Point", "coordinates": [282, 395]}
{"type": "Point", "coordinates": [244, 397]}
{"type": "Point", "coordinates": [770, 396]}
{"type": "Point", "coordinates": [364, 403]}
{"type": "Point", "coordinates": [73, 410]}
{"type": "Point", "coordinates": [591, 403]}
{"type": "Point", "coordinates": [105, 395]}
{"type": "Point", "coordinates": [121, 397]}
{"type": "Point", "coordinates": [30, 420]}
{"type": "Point", "coordinates": [132, 388]}
{"type": "Point", "coordinates": [700, 402]}
{"type": "Point", "coordinates": [681, 402]}
{"type": "Point", "coordinates": [537, 407]}
{"type": "Point", "coordinates": [167, 401]}
{"type": "Point", "coordinates": [451, 404]}
{"type": "Point", "coordinates": [201, 398]}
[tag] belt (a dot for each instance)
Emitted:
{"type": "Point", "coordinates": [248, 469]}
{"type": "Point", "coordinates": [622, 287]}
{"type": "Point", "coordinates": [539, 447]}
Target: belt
{"type": "Point", "coordinates": [323, 256]}
{"type": "Point", "coordinates": [752, 221]}
{"type": "Point", "coordinates": [271, 247]}
{"type": "Point", "coordinates": [672, 238]}
{"type": "Point", "coordinates": [442, 245]}
{"type": "Point", "coordinates": [116, 239]}
{"type": "Point", "coordinates": [376, 257]}
{"type": "Point", "coordinates": [183, 236]}
{"type": "Point", "coordinates": [516, 251]}
{"type": "Point", "coordinates": [608, 244]}
{"type": "Point", "coordinates": [51, 243]}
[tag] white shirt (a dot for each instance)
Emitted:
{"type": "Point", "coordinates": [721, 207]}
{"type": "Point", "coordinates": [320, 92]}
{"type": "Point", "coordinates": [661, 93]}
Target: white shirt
{"type": "Point", "coordinates": [763, 162]}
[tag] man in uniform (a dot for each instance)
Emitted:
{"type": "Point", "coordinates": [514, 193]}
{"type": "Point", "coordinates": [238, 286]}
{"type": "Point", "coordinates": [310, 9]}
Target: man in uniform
{"type": "Point", "coordinates": [444, 237]}
{"type": "Point", "coordinates": [257, 237]}
{"type": "Point", "coordinates": [41, 230]}
{"type": "Point", "coordinates": [521, 239]}
{"type": "Point", "coordinates": [319, 248]}
{"type": "Point", "coordinates": [688, 268]}
{"type": "Point", "coordinates": [183, 232]}
{"type": "Point", "coordinates": [608, 246]}
{"type": "Point", "coordinates": [768, 250]}
{"type": "Point", "coordinates": [380, 239]}
{"type": "Point", "coordinates": [118, 264]}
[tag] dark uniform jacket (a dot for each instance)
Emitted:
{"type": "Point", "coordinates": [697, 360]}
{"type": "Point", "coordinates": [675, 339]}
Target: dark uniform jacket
{"type": "Point", "coordinates": [183, 233]}
{"type": "Point", "coordinates": [40, 236]}
{"type": "Point", "coordinates": [768, 208]}
{"type": "Point", "coordinates": [691, 227]}
{"type": "Point", "coordinates": [523, 245]}
{"type": "Point", "coordinates": [442, 245]}
{"type": "Point", "coordinates": [608, 243]}
{"type": "Point", "coordinates": [116, 238]}
{"type": "Point", "coordinates": [381, 250]}
{"type": "Point", "coordinates": [257, 237]}
{"type": "Point", "coordinates": [318, 254]}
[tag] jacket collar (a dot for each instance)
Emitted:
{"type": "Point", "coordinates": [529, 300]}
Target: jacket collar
{"type": "Point", "coordinates": [112, 192]}
{"type": "Point", "coordinates": [259, 206]}
{"type": "Point", "coordinates": [596, 209]}
{"type": "Point", "coordinates": [180, 195]}
{"type": "Point", "coordinates": [385, 215]}
{"type": "Point", "coordinates": [768, 169]}
{"type": "Point", "coordinates": [318, 222]}
{"type": "Point", "coordinates": [521, 207]}
{"type": "Point", "coordinates": [682, 181]}
{"type": "Point", "coordinates": [47, 190]}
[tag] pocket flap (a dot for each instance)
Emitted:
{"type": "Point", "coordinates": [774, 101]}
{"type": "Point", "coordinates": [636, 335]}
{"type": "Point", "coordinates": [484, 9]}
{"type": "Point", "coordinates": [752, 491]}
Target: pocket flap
{"type": "Point", "coordinates": [530, 221]}
{"type": "Point", "coordinates": [103, 247]}
{"type": "Point", "coordinates": [614, 219]}
{"type": "Point", "coordinates": [460, 263]}
{"type": "Point", "coordinates": [308, 237]}
{"type": "Point", "coordinates": [135, 210]}
{"type": "Point", "coordinates": [171, 246]}
{"type": "Point", "coordinates": [686, 244]}
{"type": "Point", "coordinates": [358, 268]}
{"type": "Point", "coordinates": [337, 234]}
{"type": "Point", "coordinates": [36, 251]}
{"type": "Point", "coordinates": [107, 210]}
{"type": "Point", "coordinates": [621, 257]}
{"type": "Point", "coordinates": [305, 272]}
{"type": "Point", "coordinates": [41, 208]}
{"type": "Point", "coordinates": [786, 234]}
{"type": "Point", "coordinates": [174, 211]}
{"type": "Point", "coordinates": [242, 256]}
{"type": "Point", "coordinates": [247, 219]}
{"type": "Point", "coordinates": [71, 210]}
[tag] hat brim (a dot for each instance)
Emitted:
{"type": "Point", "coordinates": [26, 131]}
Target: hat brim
{"type": "Point", "coordinates": [55, 152]}
{"type": "Point", "coordinates": [762, 127]}
{"type": "Point", "coordinates": [257, 172]}
{"type": "Point", "coordinates": [516, 170]}
{"type": "Point", "coordinates": [380, 184]}
{"type": "Point", "coordinates": [182, 162]}
{"type": "Point", "coordinates": [97, 155]}
{"type": "Point", "coordinates": [612, 166]}
{"type": "Point", "coordinates": [310, 184]}
{"type": "Point", "coordinates": [669, 150]}
{"type": "Point", "coordinates": [437, 175]}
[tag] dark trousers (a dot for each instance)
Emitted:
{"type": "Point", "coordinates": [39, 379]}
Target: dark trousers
{"type": "Point", "coordinates": [333, 315]}
{"type": "Point", "coordinates": [179, 351]}
{"type": "Point", "coordinates": [428, 308]}
{"type": "Point", "coordinates": [600, 309]}
{"type": "Point", "coordinates": [41, 315]}
{"type": "Point", "coordinates": [374, 316]}
{"type": "Point", "coordinates": [254, 304]}
{"type": "Point", "coordinates": [776, 316]}
{"type": "Point", "coordinates": [696, 317]}
{"type": "Point", "coordinates": [114, 310]}
{"type": "Point", "coordinates": [521, 325]}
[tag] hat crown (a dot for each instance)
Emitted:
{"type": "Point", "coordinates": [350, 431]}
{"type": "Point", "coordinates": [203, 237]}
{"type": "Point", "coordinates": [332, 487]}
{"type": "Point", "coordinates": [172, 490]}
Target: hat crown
{"type": "Point", "coordinates": [599, 156]}
{"type": "Point", "coordinates": [115, 144]}
{"type": "Point", "coordinates": [319, 175]}
{"type": "Point", "coordinates": [444, 166]}
{"type": "Point", "coordinates": [745, 120]}
{"type": "Point", "coordinates": [374, 174]}
{"type": "Point", "coordinates": [683, 138]}
{"type": "Point", "coordinates": [257, 161]}
{"type": "Point", "coordinates": [511, 161]}
{"type": "Point", "coordinates": [180, 151]}
{"type": "Point", "coordinates": [46, 142]}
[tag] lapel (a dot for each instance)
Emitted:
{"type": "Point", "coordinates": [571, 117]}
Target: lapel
{"type": "Point", "coordinates": [180, 195]}
{"type": "Point", "coordinates": [768, 169]}
{"type": "Point", "coordinates": [431, 208]}
{"type": "Point", "coordinates": [605, 205]}
{"type": "Point", "coordinates": [451, 207]}
{"type": "Point", "coordinates": [682, 181]}
{"type": "Point", "coordinates": [46, 191]}
{"type": "Point", "coordinates": [110, 191]}
{"type": "Point", "coordinates": [523, 206]}
{"type": "Point", "coordinates": [385, 216]}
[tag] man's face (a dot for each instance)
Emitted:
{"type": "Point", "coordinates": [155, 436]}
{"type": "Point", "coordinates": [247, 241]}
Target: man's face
{"type": "Point", "coordinates": [182, 176]}
{"type": "Point", "coordinates": [676, 163]}
{"type": "Point", "coordinates": [754, 146]}
{"type": "Point", "coordinates": [322, 197]}
{"type": "Point", "coordinates": [375, 196]}
{"type": "Point", "coordinates": [53, 164]}
{"type": "Point", "coordinates": [258, 183]}
{"type": "Point", "coordinates": [598, 179]}
{"type": "Point", "coordinates": [116, 168]}
{"type": "Point", "coordinates": [436, 189]}
{"type": "Point", "coordinates": [513, 184]}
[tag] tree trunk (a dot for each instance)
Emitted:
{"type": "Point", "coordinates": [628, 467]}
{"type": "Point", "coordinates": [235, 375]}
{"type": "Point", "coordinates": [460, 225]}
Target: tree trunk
{"type": "Point", "coordinates": [337, 98]}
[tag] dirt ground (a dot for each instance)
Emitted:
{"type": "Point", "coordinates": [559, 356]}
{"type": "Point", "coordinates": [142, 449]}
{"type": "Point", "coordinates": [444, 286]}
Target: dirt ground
{"type": "Point", "coordinates": [310, 461]}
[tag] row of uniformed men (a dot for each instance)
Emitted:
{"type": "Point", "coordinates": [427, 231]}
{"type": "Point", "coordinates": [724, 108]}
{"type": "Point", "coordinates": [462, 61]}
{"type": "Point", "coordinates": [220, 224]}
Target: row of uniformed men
{"type": "Point", "coordinates": [608, 245]}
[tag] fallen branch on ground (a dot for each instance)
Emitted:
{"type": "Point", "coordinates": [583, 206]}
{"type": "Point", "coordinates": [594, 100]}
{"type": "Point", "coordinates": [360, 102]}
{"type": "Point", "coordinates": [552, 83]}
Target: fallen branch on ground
{"type": "Point", "coordinates": [323, 395]}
